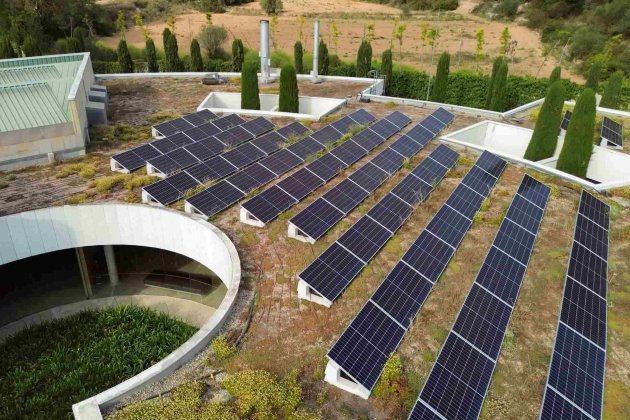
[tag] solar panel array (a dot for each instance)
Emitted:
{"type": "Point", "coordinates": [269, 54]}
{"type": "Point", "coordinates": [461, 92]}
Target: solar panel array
{"type": "Point", "coordinates": [234, 188]}
{"type": "Point", "coordinates": [184, 123]}
{"type": "Point", "coordinates": [575, 384]}
{"type": "Point", "coordinates": [336, 267]}
{"type": "Point", "coordinates": [612, 132]}
{"type": "Point", "coordinates": [138, 157]}
{"type": "Point", "coordinates": [565, 120]}
{"type": "Point", "coordinates": [400, 296]}
{"type": "Point", "coordinates": [173, 188]}
{"type": "Point", "coordinates": [200, 147]}
{"type": "Point", "coordinates": [321, 215]}
{"type": "Point", "coordinates": [270, 203]}
{"type": "Point", "coordinates": [459, 379]}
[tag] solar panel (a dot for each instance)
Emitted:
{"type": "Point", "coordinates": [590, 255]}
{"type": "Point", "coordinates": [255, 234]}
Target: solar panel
{"type": "Point", "coordinates": [365, 238]}
{"type": "Point", "coordinates": [349, 152]}
{"type": "Point", "coordinates": [209, 129]}
{"type": "Point", "coordinates": [575, 382]}
{"type": "Point", "coordinates": [164, 164]}
{"type": "Point", "coordinates": [258, 126]}
{"type": "Point", "coordinates": [228, 121]}
{"type": "Point", "coordinates": [179, 139]}
{"type": "Point", "coordinates": [565, 120]}
{"type": "Point", "coordinates": [129, 160]}
{"type": "Point", "coordinates": [326, 166]}
{"type": "Point", "coordinates": [215, 168]}
{"type": "Point", "coordinates": [281, 162]}
{"type": "Point", "coordinates": [433, 124]}
{"type": "Point", "coordinates": [404, 290]}
{"type": "Point", "coordinates": [162, 192]}
{"type": "Point", "coordinates": [460, 377]}
{"type": "Point", "coordinates": [369, 177]}
{"type": "Point", "coordinates": [234, 136]}
{"type": "Point", "coordinates": [399, 119]}
{"type": "Point", "coordinates": [327, 135]}
{"type": "Point", "coordinates": [443, 115]}
{"type": "Point", "coordinates": [385, 129]}
{"type": "Point", "coordinates": [362, 117]}
{"type": "Point", "coordinates": [251, 178]}
{"type": "Point", "coordinates": [388, 160]}
{"type": "Point", "coordinates": [269, 142]}
{"type": "Point", "coordinates": [265, 207]}
{"type": "Point", "coordinates": [344, 124]}
{"type": "Point", "coordinates": [216, 198]}
{"type": "Point", "coordinates": [317, 218]}
{"type": "Point", "coordinates": [305, 148]}
{"type": "Point", "coordinates": [300, 184]}
{"type": "Point", "coordinates": [406, 146]}
{"type": "Point", "coordinates": [295, 129]}
{"type": "Point", "coordinates": [612, 132]}
{"type": "Point", "coordinates": [368, 139]}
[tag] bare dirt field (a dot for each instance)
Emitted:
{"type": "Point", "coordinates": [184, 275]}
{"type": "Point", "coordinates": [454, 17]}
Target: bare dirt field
{"type": "Point", "coordinates": [286, 333]}
{"type": "Point", "coordinates": [457, 33]}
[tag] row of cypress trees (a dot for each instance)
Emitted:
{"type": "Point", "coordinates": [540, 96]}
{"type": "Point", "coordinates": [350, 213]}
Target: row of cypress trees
{"type": "Point", "coordinates": [250, 99]}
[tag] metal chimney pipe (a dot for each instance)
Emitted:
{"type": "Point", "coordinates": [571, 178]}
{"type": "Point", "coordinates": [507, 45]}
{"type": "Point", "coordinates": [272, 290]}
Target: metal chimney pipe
{"type": "Point", "coordinates": [315, 51]}
{"type": "Point", "coordinates": [265, 61]}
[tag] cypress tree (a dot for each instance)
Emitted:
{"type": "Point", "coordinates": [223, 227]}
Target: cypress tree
{"type": "Point", "coordinates": [289, 101]}
{"type": "Point", "coordinates": [555, 75]}
{"type": "Point", "coordinates": [545, 137]}
{"type": "Point", "coordinates": [298, 57]}
{"type": "Point", "coordinates": [387, 69]}
{"type": "Point", "coordinates": [152, 64]}
{"type": "Point", "coordinates": [612, 91]}
{"type": "Point", "coordinates": [73, 45]}
{"type": "Point", "coordinates": [438, 93]}
{"type": "Point", "coordinates": [178, 65]}
{"type": "Point", "coordinates": [30, 48]}
{"type": "Point", "coordinates": [125, 63]}
{"type": "Point", "coordinates": [6, 49]}
{"type": "Point", "coordinates": [592, 78]}
{"type": "Point", "coordinates": [82, 36]}
{"type": "Point", "coordinates": [249, 86]}
{"type": "Point", "coordinates": [499, 88]}
{"type": "Point", "coordinates": [166, 41]}
{"type": "Point", "coordinates": [495, 69]}
{"type": "Point", "coordinates": [364, 59]}
{"type": "Point", "coordinates": [238, 55]}
{"type": "Point", "coordinates": [196, 63]}
{"type": "Point", "coordinates": [578, 141]}
{"type": "Point", "coordinates": [324, 60]}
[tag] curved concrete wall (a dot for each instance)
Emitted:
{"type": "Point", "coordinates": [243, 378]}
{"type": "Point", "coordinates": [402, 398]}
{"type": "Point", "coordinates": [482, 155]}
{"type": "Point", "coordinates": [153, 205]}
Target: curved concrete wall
{"type": "Point", "coordinates": [41, 231]}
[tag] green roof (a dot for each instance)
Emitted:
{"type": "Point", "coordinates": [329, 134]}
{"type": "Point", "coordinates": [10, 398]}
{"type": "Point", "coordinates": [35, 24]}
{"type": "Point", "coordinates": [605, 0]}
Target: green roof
{"type": "Point", "coordinates": [34, 91]}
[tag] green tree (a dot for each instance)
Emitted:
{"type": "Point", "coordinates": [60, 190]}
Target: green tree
{"type": "Point", "coordinates": [212, 6]}
{"type": "Point", "coordinates": [196, 63]}
{"type": "Point", "coordinates": [612, 91]}
{"type": "Point", "coordinates": [289, 101]}
{"type": "Point", "coordinates": [149, 50]}
{"type": "Point", "coordinates": [592, 78]}
{"type": "Point", "coordinates": [324, 59]}
{"type": "Point", "coordinates": [499, 89]}
{"type": "Point", "coordinates": [493, 76]}
{"type": "Point", "coordinates": [387, 69]}
{"type": "Point", "coordinates": [238, 55]}
{"type": "Point", "coordinates": [545, 136]}
{"type": "Point", "coordinates": [555, 75]}
{"type": "Point", "coordinates": [298, 57]}
{"type": "Point", "coordinates": [212, 38]}
{"type": "Point", "coordinates": [438, 93]}
{"type": "Point", "coordinates": [578, 141]}
{"type": "Point", "coordinates": [166, 41]}
{"type": "Point", "coordinates": [31, 48]}
{"type": "Point", "coordinates": [125, 63]}
{"type": "Point", "coordinates": [249, 86]}
{"type": "Point", "coordinates": [271, 7]}
{"type": "Point", "coordinates": [364, 59]}
{"type": "Point", "coordinates": [6, 49]}
{"type": "Point", "coordinates": [505, 39]}
{"type": "Point", "coordinates": [73, 45]}
{"type": "Point", "coordinates": [82, 37]}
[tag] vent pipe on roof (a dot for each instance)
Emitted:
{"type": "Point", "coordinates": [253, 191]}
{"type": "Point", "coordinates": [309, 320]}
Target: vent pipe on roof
{"type": "Point", "coordinates": [315, 78]}
{"type": "Point", "coordinates": [265, 61]}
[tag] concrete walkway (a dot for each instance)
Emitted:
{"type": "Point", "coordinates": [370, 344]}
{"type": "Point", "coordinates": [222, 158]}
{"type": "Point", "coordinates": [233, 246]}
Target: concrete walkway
{"type": "Point", "coordinates": [193, 313]}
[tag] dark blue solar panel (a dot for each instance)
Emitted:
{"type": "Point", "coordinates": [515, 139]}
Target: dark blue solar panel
{"type": "Point", "coordinates": [209, 129]}
{"type": "Point", "coordinates": [525, 213]}
{"type": "Point", "coordinates": [420, 134]}
{"type": "Point", "coordinates": [326, 167]}
{"type": "Point", "coordinates": [399, 119]}
{"type": "Point", "coordinates": [388, 160]}
{"type": "Point", "coordinates": [365, 238]}
{"type": "Point", "coordinates": [196, 134]}
{"type": "Point", "coordinates": [180, 139]}
{"type": "Point", "coordinates": [557, 407]}
{"type": "Point", "coordinates": [594, 209]}
{"type": "Point", "coordinates": [490, 163]}
{"type": "Point", "coordinates": [320, 272]}
{"type": "Point", "coordinates": [317, 218]}
{"type": "Point", "coordinates": [267, 205]}
{"type": "Point", "coordinates": [163, 192]}
{"type": "Point", "coordinates": [430, 171]}
{"type": "Point", "coordinates": [215, 168]}
{"type": "Point", "coordinates": [146, 152]}
{"type": "Point", "coordinates": [534, 191]}
{"type": "Point", "coordinates": [327, 135]}
{"type": "Point", "coordinates": [445, 156]}
{"type": "Point", "coordinates": [362, 117]}
{"type": "Point", "coordinates": [346, 195]}
{"type": "Point", "coordinates": [200, 151]}
{"type": "Point", "coordinates": [164, 145]}
{"type": "Point", "coordinates": [258, 126]}
{"type": "Point", "coordinates": [165, 164]}
{"type": "Point", "coordinates": [433, 124]}
{"type": "Point", "coordinates": [592, 236]}
{"type": "Point", "coordinates": [501, 275]}
{"type": "Point", "coordinates": [406, 146]}
{"type": "Point", "coordinates": [300, 184]}
{"type": "Point", "coordinates": [237, 158]}
{"type": "Point", "coordinates": [377, 335]}
{"type": "Point", "coordinates": [216, 198]}
{"type": "Point", "coordinates": [368, 139]}
{"type": "Point", "coordinates": [305, 148]}
{"type": "Point", "coordinates": [412, 190]}
{"type": "Point", "coordinates": [344, 124]}
{"type": "Point", "coordinates": [449, 226]}
{"type": "Point", "coordinates": [369, 176]}
{"type": "Point", "coordinates": [479, 180]}
{"type": "Point", "coordinates": [214, 145]}
{"type": "Point", "coordinates": [252, 151]}
{"type": "Point", "coordinates": [588, 269]}
{"type": "Point", "coordinates": [585, 312]}
{"type": "Point", "coordinates": [443, 115]}
{"type": "Point", "coordinates": [293, 130]}
{"type": "Point", "coordinates": [269, 142]}
{"type": "Point", "coordinates": [129, 160]}
{"type": "Point", "coordinates": [390, 212]}
{"type": "Point", "coordinates": [384, 129]}
{"type": "Point", "coordinates": [349, 152]}
{"type": "Point", "coordinates": [183, 158]}
{"type": "Point", "coordinates": [515, 241]}
{"type": "Point", "coordinates": [465, 201]}
{"type": "Point", "coordinates": [234, 136]}
{"type": "Point", "coordinates": [195, 119]}
{"type": "Point", "coordinates": [251, 178]}
{"type": "Point", "coordinates": [281, 162]}
{"type": "Point", "coordinates": [429, 256]}
{"type": "Point", "coordinates": [182, 182]}
{"type": "Point", "coordinates": [228, 121]}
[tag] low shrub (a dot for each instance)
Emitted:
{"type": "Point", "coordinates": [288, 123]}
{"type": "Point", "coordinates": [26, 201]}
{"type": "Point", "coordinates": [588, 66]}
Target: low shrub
{"type": "Point", "coordinates": [222, 348]}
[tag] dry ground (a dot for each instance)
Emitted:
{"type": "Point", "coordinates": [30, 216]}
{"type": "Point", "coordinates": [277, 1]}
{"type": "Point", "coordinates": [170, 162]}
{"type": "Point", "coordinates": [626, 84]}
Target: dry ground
{"type": "Point", "coordinates": [457, 33]}
{"type": "Point", "coordinates": [288, 333]}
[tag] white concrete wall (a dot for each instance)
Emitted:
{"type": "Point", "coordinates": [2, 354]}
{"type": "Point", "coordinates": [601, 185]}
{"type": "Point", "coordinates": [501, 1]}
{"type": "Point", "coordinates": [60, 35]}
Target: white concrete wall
{"type": "Point", "coordinates": [41, 231]}
{"type": "Point", "coordinates": [312, 108]}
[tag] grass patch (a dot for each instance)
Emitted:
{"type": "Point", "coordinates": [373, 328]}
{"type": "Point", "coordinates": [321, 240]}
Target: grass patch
{"type": "Point", "coordinates": [3, 185]}
{"type": "Point", "coordinates": [119, 132]}
{"type": "Point", "coordinates": [85, 170]}
{"type": "Point", "coordinates": [108, 183]}
{"type": "Point", "coordinates": [162, 116]}
{"type": "Point", "coordinates": [49, 367]}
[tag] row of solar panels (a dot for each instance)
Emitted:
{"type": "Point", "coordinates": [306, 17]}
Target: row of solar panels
{"type": "Point", "coordinates": [575, 384]}
{"type": "Point", "coordinates": [269, 204]}
{"type": "Point", "coordinates": [237, 186]}
{"type": "Point", "coordinates": [174, 187]}
{"type": "Point", "coordinates": [363, 349]}
{"type": "Point", "coordinates": [206, 133]}
{"type": "Point", "coordinates": [461, 375]}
